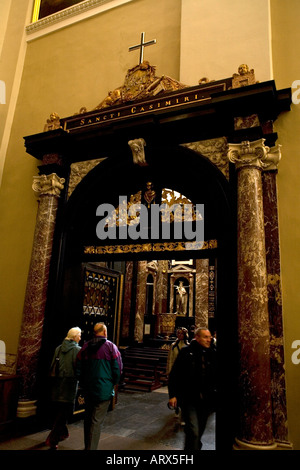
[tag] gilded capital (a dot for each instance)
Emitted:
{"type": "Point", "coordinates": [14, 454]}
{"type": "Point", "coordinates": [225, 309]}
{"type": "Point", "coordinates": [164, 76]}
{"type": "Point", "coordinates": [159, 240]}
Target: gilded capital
{"type": "Point", "coordinates": [247, 154]}
{"type": "Point", "coordinates": [48, 185]}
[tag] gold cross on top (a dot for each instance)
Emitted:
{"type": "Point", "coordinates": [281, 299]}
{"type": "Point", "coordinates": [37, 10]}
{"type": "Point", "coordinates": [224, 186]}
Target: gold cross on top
{"type": "Point", "coordinates": [141, 46]}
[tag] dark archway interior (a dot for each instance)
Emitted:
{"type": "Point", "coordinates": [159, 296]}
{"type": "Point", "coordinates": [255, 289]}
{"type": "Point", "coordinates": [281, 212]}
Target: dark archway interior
{"type": "Point", "coordinates": [188, 173]}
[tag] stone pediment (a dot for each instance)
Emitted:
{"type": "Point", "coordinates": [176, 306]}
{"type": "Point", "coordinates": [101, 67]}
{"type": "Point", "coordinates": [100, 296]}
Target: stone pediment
{"type": "Point", "coordinates": [182, 269]}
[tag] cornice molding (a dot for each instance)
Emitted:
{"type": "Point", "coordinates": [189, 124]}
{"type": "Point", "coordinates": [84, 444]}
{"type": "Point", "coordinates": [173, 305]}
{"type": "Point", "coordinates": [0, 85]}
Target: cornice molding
{"type": "Point", "coordinates": [68, 16]}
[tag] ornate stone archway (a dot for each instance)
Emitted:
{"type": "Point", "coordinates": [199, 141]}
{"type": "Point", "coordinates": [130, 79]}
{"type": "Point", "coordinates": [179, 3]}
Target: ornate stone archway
{"type": "Point", "coordinates": [226, 115]}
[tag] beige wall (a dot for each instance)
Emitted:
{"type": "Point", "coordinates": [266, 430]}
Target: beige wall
{"type": "Point", "coordinates": [63, 71]}
{"type": "Point", "coordinates": [286, 53]}
{"type": "Point", "coordinates": [78, 65]}
{"type": "Point", "coordinates": [219, 35]}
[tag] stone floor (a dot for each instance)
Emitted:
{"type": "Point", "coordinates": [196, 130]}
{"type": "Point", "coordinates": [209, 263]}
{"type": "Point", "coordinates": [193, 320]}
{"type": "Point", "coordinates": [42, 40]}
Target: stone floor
{"type": "Point", "coordinates": [139, 421]}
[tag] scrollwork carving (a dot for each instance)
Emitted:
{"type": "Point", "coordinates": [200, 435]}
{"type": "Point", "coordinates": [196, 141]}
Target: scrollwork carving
{"type": "Point", "coordinates": [247, 154]}
{"type": "Point", "coordinates": [48, 185]}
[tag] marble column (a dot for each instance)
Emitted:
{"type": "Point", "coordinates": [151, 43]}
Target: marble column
{"type": "Point", "coordinates": [269, 181]}
{"type": "Point", "coordinates": [141, 291]}
{"type": "Point", "coordinates": [161, 291]}
{"type": "Point", "coordinates": [48, 189]}
{"type": "Point", "coordinates": [127, 300]}
{"type": "Point", "coordinates": [201, 301]}
{"type": "Point", "coordinates": [255, 417]}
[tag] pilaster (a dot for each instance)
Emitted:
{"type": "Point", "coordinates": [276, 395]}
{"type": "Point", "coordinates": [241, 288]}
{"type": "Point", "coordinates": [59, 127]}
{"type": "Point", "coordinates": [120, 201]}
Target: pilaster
{"type": "Point", "coordinates": [269, 182]}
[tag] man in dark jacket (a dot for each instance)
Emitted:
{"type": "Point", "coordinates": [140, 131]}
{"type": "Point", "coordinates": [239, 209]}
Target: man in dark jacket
{"type": "Point", "coordinates": [99, 366]}
{"type": "Point", "coordinates": [63, 385]}
{"type": "Point", "coordinates": [192, 386]}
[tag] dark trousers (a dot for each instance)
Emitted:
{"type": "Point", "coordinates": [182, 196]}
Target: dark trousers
{"type": "Point", "coordinates": [94, 416]}
{"type": "Point", "coordinates": [195, 416]}
{"type": "Point", "coordinates": [62, 412]}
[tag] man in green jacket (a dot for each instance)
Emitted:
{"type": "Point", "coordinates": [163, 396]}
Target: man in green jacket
{"type": "Point", "coordinates": [99, 366]}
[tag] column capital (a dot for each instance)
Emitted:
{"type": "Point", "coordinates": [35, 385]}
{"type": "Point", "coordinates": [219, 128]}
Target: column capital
{"type": "Point", "coordinates": [48, 185]}
{"type": "Point", "coordinates": [248, 154]}
{"type": "Point", "coordinates": [274, 157]}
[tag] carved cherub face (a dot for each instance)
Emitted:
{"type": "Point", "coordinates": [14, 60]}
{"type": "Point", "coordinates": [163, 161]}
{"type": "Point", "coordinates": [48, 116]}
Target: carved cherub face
{"type": "Point", "coordinates": [243, 69]}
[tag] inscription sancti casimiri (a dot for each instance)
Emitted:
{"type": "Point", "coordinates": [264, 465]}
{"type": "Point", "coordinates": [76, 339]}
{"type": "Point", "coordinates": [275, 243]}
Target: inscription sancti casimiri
{"type": "Point", "coordinates": [143, 92]}
{"type": "Point", "coordinates": [176, 99]}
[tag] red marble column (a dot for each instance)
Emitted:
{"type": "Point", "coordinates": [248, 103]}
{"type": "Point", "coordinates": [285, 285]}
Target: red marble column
{"type": "Point", "coordinates": [127, 299]}
{"type": "Point", "coordinates": [253, 323]}
{"type": "Point", "coordinates": [269, 181]}
{"type": "Point", "coordinates": [140, 301]}
{"type": "Point", "coordinates": [201, 307]}
{"type": "Point", "coordinates": [47, 188]}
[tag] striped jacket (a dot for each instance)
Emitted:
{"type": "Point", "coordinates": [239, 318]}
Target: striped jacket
{"type": "Point", "coordinates": [99, 367]}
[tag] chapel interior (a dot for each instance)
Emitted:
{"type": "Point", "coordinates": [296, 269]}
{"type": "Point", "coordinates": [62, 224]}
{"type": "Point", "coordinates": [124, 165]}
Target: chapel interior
{"type": "Point", "coordinates": [149, 175]}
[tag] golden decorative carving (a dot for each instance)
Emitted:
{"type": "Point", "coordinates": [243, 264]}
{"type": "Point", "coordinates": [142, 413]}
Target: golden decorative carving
{"type": "Point", "coordinates": [140, 83]}
{"type": "Point", "coordinates": [48, 185]}
{"type": "Point", "coordinates": [168, 198]}
{"type": "Point", "coordinates": [149, 194]}
{"type": "Point", "coordinates": [204, 81]}
{"type": "Point", "coordinates": [167, 323]}
{"type": "Point", "coordinates": [138, 151]}
{"type": "Point", "coordinates": [244, 77]}
{"type": "Point", "coordinates": [52, 123]}
{"type": "Point", "coordinates": [150, 247]}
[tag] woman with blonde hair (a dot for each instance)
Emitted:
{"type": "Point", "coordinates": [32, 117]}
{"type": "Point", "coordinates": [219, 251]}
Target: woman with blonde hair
{"type": "Point", "coordinates": [64, 385]}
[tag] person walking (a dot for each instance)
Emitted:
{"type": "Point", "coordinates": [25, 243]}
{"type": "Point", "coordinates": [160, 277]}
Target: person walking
{"type": "Point", "coordinates": [181, 341]}
{"type": "Point", "coordinates": [99, 367]}
{"type": "Point", "coordinates": [192, 386]}
{"type": "Point", "coordinates": [63, 386]}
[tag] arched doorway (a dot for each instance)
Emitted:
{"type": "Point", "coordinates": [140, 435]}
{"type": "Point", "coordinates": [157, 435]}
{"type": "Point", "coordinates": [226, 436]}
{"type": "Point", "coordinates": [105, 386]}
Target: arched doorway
{"type": "Point", "coordinates": [169, 164]}
{"type": "Point", "coordinates": [181, 170]}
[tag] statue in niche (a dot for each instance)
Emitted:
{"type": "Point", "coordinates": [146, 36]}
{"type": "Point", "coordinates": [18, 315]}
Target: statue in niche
{"type": "Point", "coordinates": [181, 299]}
